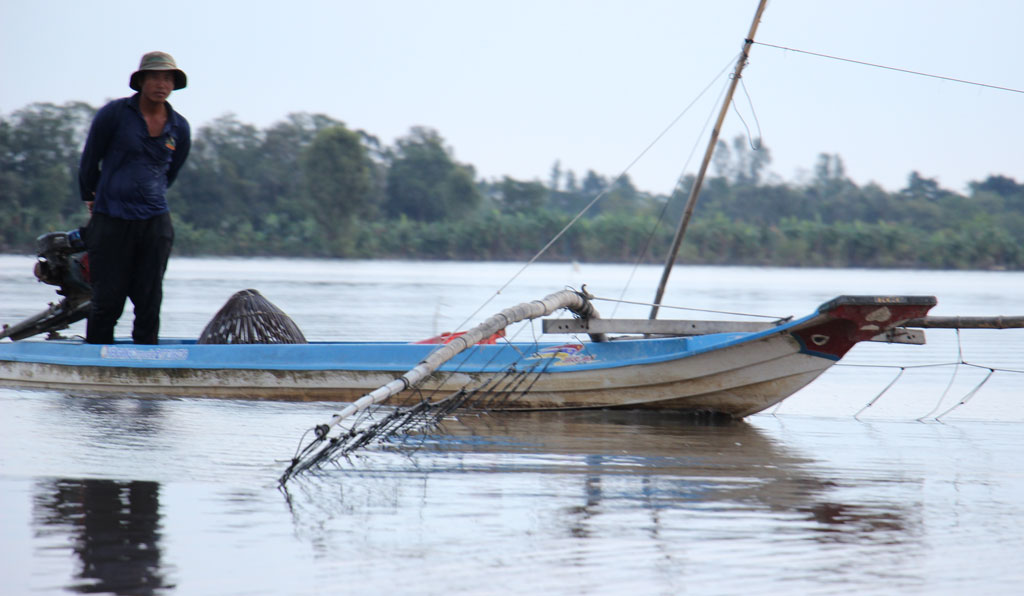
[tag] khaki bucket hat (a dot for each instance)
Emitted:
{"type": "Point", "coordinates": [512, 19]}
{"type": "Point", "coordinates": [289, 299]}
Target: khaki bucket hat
{"type": "Point", "coordinates": [157, 61]}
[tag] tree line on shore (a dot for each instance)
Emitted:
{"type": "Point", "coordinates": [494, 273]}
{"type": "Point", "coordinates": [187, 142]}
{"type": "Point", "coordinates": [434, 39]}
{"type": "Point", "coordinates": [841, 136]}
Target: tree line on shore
{"type": "Point", "coordinates": [309, 186]}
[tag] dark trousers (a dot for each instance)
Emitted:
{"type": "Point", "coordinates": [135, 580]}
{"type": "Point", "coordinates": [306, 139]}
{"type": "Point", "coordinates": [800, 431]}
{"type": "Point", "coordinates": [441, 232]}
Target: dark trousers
{"type": "Point", "coordinates": [127, 259]}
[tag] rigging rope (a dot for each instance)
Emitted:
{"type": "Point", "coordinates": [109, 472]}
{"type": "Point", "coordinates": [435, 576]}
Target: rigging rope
{"type": "Point", "coordinates": [600, 195]}
{"type": "Point", "coordinates": [956, 370]}
{"type": "Point", "coordinates": [904, 368]}
{"type": "Point", "coordinates": [963, 400]}
{"type": "Point", "coordinates": [882, 66]}
{"type": "Point", "coordinates": [698, 141]}
{"type": "Point", "coordinates": [750, 139]}
{"type": "Point", "coordinates": [719, 312]}
{"type": "Point", "coordinates": [957, 365]}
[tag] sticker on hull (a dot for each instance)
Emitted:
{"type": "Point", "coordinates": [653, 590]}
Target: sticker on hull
{"type": "Point", "coordinates": [136, 353]}
{"type": "Point", "coordinates": [563, 355]}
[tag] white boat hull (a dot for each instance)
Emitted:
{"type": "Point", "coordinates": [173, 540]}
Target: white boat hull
{"type": "Point", "coordinates": [735, 374]}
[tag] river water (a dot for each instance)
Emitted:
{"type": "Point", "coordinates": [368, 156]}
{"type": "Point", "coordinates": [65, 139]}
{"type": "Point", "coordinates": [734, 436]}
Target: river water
{"type": "Point", "coordinates": [914, 494]}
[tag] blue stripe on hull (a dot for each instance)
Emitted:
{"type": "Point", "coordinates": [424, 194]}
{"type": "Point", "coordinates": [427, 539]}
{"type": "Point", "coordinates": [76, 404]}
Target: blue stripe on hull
{"type": "Point", "coordinates": [372, 356]}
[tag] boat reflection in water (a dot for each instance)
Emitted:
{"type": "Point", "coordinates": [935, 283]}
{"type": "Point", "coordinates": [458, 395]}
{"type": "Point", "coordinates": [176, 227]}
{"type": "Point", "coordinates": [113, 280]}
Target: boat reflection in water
{"type": "Point", "coordinates": [618, 475]}
{"type": "Point", "coordinates": [529, 500]}
{"type": "Point", "coordinates": [113, 528]}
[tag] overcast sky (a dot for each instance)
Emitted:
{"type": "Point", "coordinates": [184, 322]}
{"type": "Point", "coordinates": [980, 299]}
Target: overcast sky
{"type": "Point", "coordinates": [514, 86]}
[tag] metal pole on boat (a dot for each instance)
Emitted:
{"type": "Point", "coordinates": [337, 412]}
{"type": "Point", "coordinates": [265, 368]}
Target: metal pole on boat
{"type": "Point", "coordinates": [692, 200]}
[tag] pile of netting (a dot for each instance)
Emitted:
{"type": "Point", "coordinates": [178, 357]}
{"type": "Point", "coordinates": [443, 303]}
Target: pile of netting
{"type": "Point", "coordinates": [249, 318]}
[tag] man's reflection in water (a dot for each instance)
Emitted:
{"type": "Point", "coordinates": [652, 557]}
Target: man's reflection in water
{"type": "Point", "coordinates": [114, 529]}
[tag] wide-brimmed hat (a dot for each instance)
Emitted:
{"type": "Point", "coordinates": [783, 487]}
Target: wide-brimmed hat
{"type": "Point", "coordinates": [157, 61]}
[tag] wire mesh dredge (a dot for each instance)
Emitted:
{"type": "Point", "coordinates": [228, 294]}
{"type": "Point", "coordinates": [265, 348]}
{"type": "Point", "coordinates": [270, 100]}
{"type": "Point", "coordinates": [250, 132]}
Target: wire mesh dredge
{"type": "Point", "coordinates": [396, 427]}
{"type": "Point", "coordinates": [363, 428]}
{"type": "Point", "coordinates": [249, 318]}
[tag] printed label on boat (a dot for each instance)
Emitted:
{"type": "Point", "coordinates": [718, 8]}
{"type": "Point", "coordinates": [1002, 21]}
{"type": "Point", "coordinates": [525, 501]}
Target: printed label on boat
{"type": "Point", "coordinates": [564, 354]}
{"type": "Point", "coordinates": [138, 353]}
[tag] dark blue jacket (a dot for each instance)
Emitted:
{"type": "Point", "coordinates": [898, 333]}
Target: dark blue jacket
{"type": "Point", "coordinates": [128, 170]}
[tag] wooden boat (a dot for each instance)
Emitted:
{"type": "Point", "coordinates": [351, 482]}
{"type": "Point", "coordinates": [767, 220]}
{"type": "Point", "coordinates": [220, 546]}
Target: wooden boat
{"type": "Point", "coordinates": [736, 373]}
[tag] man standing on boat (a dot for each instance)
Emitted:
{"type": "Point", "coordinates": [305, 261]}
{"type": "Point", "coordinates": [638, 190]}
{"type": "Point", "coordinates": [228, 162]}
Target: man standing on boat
{"type": "Point", "coordinates": [135, 148]}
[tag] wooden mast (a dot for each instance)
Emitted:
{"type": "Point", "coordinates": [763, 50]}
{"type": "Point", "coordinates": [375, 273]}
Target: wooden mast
{"type": "Point", "coordinates": [692, 200]}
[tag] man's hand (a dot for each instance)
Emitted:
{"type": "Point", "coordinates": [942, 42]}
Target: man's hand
{"type": "Point", "coordinates": [88, 205]}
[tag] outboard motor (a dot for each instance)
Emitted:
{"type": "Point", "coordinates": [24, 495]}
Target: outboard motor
{"type": "Point", "coordinates": [63, 262]}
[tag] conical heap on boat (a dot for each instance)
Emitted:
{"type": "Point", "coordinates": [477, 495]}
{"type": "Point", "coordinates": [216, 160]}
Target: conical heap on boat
{"type": "Point", "coordinates": [249, 318]}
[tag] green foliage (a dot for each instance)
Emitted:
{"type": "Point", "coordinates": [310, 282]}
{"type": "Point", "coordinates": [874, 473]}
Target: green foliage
{"type": "Point", "coordinates": [338, 182]}
{"type": "Point", "coordinates": [516, 196]}
{"type": "Point", "coordinates": [309, 186]}
{"type": "Point", "coordinates": [40, 147]}
{"type": "Point", "coordinates": [242, 190]}
{"type": "Point", "coordinates": [424, 182]}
